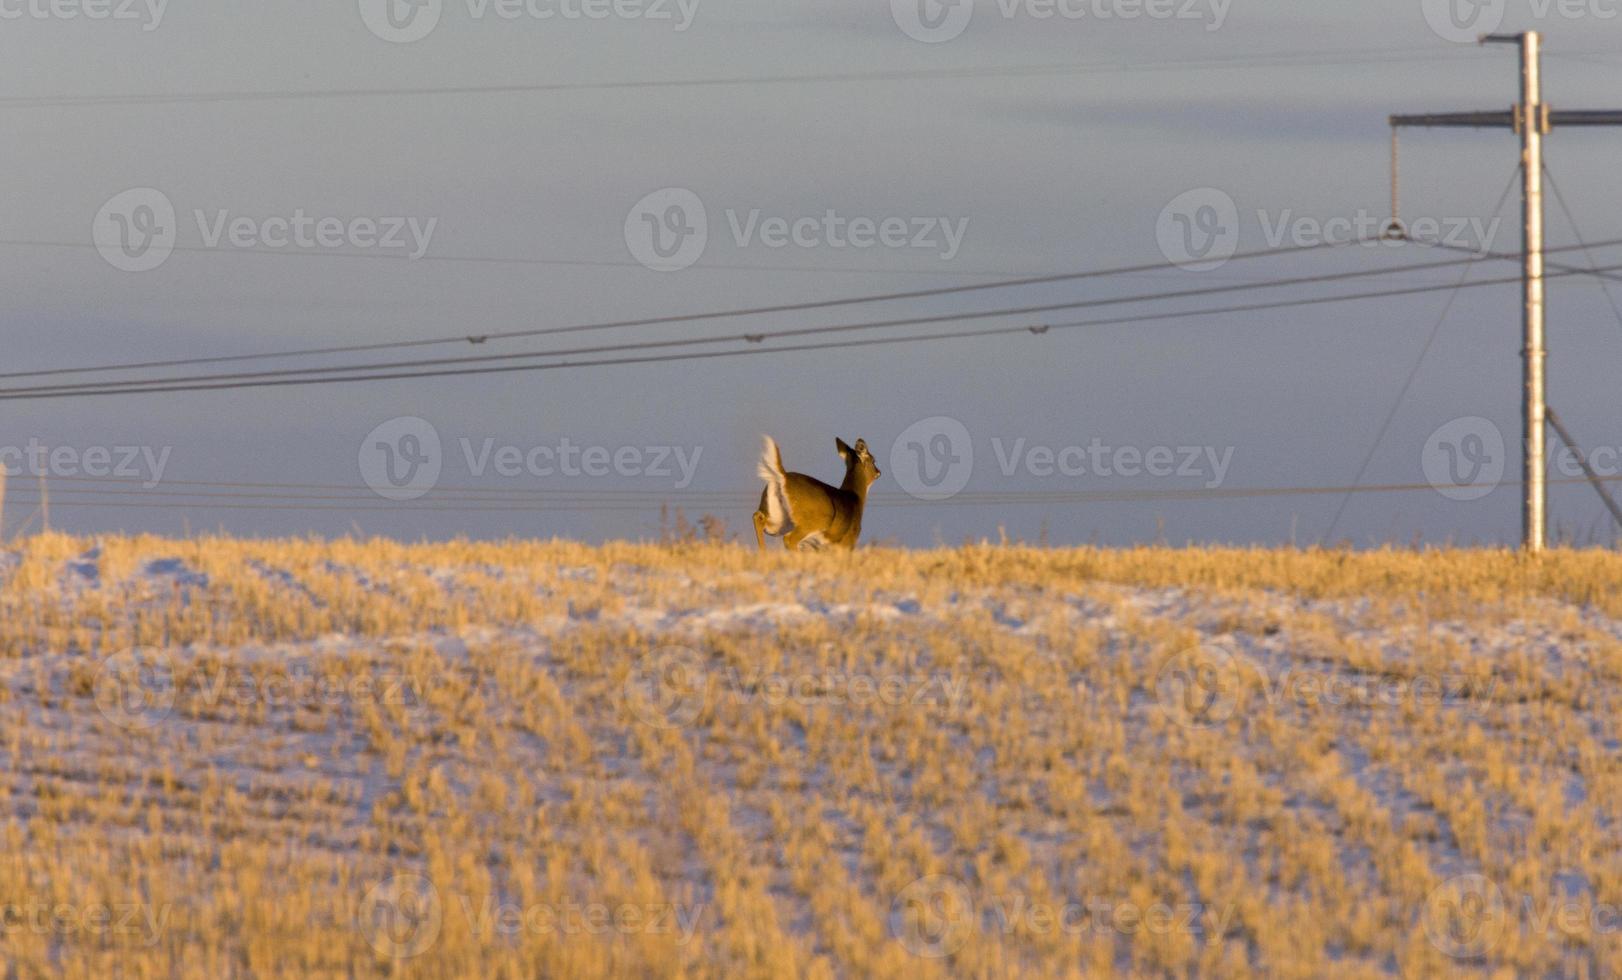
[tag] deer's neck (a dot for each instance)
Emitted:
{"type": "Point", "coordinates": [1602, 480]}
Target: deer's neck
{"type": "Point", "coordinates": [855, 484]}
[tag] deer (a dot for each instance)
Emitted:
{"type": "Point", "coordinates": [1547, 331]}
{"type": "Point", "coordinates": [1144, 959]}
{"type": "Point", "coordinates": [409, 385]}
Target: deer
{"type": "Point", "coordinates": [807, 513]}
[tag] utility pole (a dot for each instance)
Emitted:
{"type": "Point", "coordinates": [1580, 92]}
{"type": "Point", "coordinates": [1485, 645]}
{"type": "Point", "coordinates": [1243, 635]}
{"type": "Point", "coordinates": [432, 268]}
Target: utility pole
{"type": "Point", "coordinates": [1532, 119]}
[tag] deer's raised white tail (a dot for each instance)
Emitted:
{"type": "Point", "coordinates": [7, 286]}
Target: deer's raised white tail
{"type": "Point", "coordinates": [805, 512]}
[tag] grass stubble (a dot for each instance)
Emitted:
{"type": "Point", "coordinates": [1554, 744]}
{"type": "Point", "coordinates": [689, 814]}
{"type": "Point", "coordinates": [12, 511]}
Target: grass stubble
{"type": "Point", "coordinates": [352, 758]}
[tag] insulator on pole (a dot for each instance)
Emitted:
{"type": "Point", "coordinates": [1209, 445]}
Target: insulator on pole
{"type": "Point", "coordinates": [1394, 229]}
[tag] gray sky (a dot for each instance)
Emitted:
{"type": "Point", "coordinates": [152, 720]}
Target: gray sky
{"type": "Point", "coordinates": [1281, 110]}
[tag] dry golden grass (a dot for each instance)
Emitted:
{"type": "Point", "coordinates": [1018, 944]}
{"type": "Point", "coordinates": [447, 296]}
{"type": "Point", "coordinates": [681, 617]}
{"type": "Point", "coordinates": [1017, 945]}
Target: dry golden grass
{"type": "Point", "coordinates": [241, 758]}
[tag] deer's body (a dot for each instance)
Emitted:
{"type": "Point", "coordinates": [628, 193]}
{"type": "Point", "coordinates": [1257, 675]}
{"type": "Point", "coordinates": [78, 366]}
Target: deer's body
{"type": "Point", "coordinates": [806, 512]}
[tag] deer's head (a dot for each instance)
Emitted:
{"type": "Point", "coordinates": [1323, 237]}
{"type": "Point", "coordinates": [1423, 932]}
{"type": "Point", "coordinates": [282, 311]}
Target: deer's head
{"type": "Point", "coordinates": [860, 469]}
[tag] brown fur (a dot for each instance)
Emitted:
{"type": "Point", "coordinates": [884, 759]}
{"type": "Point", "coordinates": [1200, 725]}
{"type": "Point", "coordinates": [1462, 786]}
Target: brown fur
{"type": "Point", "coordinates": [831, 516]}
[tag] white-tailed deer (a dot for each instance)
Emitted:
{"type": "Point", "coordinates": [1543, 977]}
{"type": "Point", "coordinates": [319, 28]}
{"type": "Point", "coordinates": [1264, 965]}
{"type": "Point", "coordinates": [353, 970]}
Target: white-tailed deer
{"type": "Point", "coordinates": [807, 512]}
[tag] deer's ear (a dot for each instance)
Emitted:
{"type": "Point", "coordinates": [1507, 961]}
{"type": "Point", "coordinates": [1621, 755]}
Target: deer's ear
{"type": "Point", "coordinates": [844, 450]}
{"type": "Point", "coordinates": [861, 445]}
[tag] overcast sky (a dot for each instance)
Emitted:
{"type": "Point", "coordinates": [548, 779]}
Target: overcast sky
{"type": "Point", "coordinates": [521, 171]}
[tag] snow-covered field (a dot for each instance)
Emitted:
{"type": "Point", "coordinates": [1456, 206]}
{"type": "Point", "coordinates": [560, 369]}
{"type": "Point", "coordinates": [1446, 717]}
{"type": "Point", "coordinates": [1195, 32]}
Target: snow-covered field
{"type": "Point", "coordinates": [227, 757]}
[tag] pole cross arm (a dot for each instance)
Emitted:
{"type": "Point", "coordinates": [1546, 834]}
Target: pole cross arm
{"type": "Point", "coordinates": [1504, 119]}
{"type": "Point", "coordinates": [1587, 117]}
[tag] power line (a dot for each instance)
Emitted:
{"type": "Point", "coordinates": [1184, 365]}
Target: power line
{"type": "Point", "coordinates": [1413, 371]}
{"type": "Point", "coordinates": [669, 320]}
{"type": "Point", "coordinates": [753, 311]}
{"type": "Point", "coordinates": [759, 338]}
{"type": "Point", "coordinates": [528, 261]}
{"type": "Point", "coordinates": [1576, 232]}
{"type": "Point", "coordinates": [1303, 58]}
{"type": "Point", "coordinates": [262, 485]}
{"type": "Point", "coordinates": [1050, 278]}
{"type": "Point", "coordinates": [743, 498]}
{"type": "Point", "coordinates": [157, 386]}
{"type": "Point", "coordinates": [523, 260]}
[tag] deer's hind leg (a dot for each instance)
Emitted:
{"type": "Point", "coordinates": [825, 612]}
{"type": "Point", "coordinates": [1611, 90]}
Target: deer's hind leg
{"type": "Point", "coordinates": [761, 520]}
